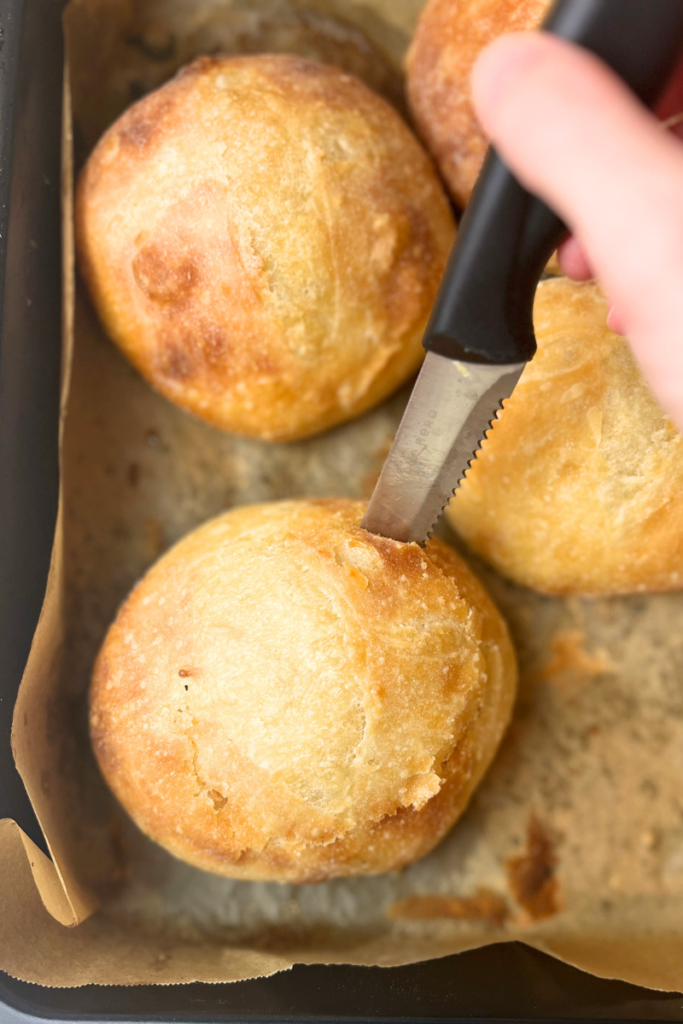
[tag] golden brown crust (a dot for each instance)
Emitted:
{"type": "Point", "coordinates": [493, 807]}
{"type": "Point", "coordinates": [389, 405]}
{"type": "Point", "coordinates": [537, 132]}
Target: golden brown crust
{"type": "Point", "coordinates": [263, 237]}
{"type": "Point", "coordinates": [578, 488]}
{"type": "Point", "coordinates": [285, 696]}
{"type": "Point", "coordinates": [449, 37]}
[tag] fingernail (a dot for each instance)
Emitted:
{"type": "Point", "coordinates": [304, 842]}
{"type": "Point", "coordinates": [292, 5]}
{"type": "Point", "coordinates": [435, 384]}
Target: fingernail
{"type": "Point", "coordinates": [614, 321]}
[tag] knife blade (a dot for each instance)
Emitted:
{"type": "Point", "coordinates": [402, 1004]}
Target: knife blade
{"type": "Point", "coordinates": [450, 410]}
{"type": "Point", "coordinates": [478, 340]}
{"type": "Point", "coordinates": [480, 334]}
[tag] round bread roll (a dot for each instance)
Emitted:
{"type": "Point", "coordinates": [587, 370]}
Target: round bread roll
{"type": "Point", "coordinates": [285, 696]}
{"type": "Point", "coordinates": [263, 237]}
{"type": "Point", "coordinates": [578, 488]}
{"type": "Point", "coordinates": [449, 37]}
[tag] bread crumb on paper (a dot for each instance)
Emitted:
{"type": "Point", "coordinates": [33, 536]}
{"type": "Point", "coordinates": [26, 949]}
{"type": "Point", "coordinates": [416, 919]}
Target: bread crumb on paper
{"type": "Point", "coordinates": [532, 875]}
{"type": "Point", "coordinates": [486, 906]}
{"type": "Point", "coordinates": [571, 657]}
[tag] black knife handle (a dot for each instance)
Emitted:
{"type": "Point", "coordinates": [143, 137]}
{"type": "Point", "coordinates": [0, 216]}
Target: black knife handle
{"type": "Point", "coordinates": [483, 311]}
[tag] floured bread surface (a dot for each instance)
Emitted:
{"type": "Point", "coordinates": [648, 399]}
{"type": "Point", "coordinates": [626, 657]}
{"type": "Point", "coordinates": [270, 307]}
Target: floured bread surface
{"type": "Point", "coordinates": [579, 486]}
{"type": "Point", "coordinates": [285, 696]}
{"type": "Point", "coordinates": [448, 39]}
{"type": "Point", "coordinates": [263, 237]}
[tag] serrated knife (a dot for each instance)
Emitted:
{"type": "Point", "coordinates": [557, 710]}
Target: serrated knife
{"type": "Point", "coordinates": [480, 335]}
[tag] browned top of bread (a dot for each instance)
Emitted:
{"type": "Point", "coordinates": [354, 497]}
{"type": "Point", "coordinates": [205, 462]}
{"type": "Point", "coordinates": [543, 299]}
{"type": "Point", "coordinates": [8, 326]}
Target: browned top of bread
{"type": "Point", "coordinates": [286, 696]}
{"type": "Point", "coordinates": [579, 486]}
{"type": "Point", "coordinates": [449, 37]}
{"type": "Point", "coordinates": [263, 237]}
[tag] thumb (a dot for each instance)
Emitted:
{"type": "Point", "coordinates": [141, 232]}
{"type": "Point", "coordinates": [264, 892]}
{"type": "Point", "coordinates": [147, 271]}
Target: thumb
{"type": "Point", "coordinates": [574, 135]}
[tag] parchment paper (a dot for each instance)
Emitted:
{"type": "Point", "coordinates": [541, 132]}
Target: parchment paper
{"type": "Point", "coordinates": [574, 842]}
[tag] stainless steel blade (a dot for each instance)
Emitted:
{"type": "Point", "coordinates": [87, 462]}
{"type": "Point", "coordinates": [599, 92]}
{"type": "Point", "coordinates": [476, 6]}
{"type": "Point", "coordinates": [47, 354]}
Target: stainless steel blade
{"type": "Point", "coordinates": [452, 406]}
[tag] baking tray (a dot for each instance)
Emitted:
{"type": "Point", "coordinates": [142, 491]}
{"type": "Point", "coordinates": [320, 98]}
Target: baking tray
{"type": "Point", "coordinates": [502, 983]}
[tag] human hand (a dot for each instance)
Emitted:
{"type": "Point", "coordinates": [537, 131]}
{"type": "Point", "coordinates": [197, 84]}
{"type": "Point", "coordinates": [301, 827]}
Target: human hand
{"type": "Point", "coordinates": [576, 136]}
